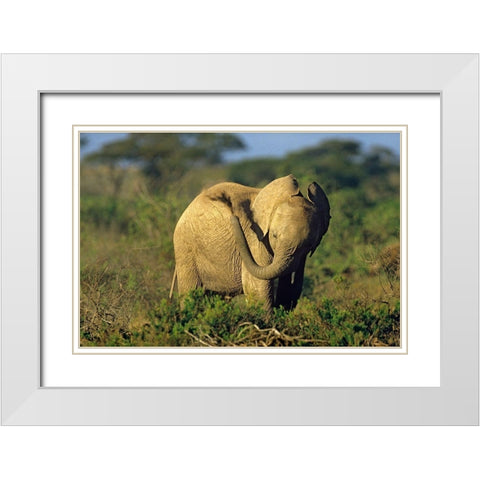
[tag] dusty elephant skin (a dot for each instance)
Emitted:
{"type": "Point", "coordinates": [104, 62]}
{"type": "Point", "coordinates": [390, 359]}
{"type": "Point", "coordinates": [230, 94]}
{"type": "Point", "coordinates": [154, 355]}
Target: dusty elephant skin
{"type": "Point", "coordinates": [234, 239]}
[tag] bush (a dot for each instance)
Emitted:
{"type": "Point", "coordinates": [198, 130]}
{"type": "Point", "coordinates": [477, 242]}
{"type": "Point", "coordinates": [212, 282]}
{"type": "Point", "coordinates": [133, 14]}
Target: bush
{"type": "Point", "coordinates": [212, 321]}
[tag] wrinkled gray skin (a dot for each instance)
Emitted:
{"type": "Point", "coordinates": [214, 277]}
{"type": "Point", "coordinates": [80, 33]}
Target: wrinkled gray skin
{"type": "Point", "coordinates": [234, 239]}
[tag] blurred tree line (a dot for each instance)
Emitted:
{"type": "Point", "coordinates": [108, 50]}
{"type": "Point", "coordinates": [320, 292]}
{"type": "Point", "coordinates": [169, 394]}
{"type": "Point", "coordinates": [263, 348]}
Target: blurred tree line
{"type": "Point", "coordinates": [164, 158]}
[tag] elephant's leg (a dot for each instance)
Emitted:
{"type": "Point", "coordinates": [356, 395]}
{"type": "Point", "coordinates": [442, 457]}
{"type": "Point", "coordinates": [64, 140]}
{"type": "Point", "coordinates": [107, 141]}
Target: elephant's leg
{"type": "Point", "coordinates": [258, 290]}
{"type": "Point", "coordinates": [187, 277]}
{"type": "Point", "coordinates": [289, 288]}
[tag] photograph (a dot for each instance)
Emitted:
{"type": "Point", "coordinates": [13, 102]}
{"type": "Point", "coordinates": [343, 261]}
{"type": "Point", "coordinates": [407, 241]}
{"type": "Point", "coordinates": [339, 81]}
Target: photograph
{"type": "Point", "coordinates": [242, 238]}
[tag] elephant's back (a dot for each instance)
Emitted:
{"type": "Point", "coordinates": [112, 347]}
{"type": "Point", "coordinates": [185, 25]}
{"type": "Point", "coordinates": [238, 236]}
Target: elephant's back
{"type": "Point", "coordinates": [215, 205]}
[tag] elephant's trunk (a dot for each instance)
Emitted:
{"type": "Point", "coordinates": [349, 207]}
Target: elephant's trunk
{"type": "Point", "coordinates": [268, 272]}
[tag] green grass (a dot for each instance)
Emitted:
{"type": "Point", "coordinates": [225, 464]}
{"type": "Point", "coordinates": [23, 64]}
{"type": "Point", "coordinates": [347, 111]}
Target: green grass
{"type": "Point", "coordinates": [212, 321]}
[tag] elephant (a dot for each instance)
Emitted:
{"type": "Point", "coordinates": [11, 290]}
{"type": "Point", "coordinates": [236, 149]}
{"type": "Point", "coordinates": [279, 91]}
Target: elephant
{"type": "Point", "coordinates": [234, 239]}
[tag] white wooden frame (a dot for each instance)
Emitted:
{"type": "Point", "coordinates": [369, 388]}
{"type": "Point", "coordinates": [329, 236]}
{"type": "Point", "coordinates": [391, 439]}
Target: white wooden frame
{"type": "Point", "coordinates": [25, 77]}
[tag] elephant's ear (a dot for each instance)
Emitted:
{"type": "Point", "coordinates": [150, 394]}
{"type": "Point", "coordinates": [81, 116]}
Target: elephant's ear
{"type": "Point", "coordinates": [270, 197]}
{"type": "Point", "coordinates": [319, 199]}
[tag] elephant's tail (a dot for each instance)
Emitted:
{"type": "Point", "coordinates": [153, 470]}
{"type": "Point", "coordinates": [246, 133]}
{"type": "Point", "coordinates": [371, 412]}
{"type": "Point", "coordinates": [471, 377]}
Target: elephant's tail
{"type": "Point", "coordinates": [173, 283]}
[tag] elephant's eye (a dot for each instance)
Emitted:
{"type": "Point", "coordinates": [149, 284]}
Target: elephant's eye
{"type": "Point", "coordinates": [274, 235]}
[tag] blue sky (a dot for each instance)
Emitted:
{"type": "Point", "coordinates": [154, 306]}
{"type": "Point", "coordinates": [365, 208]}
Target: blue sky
{"type": "Point", "coordinates": [273, 144]}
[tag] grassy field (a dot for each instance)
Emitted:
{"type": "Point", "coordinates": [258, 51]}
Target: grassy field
{"type": "Point", "coordinates": [351, 293]}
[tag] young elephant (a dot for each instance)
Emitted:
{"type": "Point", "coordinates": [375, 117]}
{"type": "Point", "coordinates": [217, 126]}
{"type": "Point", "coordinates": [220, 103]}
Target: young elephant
{"type": "Point", "coordinates": [234, 239]}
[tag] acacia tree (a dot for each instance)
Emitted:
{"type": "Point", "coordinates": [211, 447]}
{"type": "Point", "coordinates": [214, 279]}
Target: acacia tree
{"type": "Point", "coordinates": [164, 157]}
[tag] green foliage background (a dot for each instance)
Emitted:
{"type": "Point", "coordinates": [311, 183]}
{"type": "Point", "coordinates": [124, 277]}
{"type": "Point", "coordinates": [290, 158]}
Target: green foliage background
{"type": "Point", "coordinates": [134, 191]}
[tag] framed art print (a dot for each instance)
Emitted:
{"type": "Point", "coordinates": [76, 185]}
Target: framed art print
{"type": "Point", "coordinates": [183, 249]}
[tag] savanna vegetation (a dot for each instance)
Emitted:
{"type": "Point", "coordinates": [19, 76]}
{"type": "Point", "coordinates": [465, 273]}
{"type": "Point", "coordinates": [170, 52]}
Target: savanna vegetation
{"type": "Point", "coordinates": [134, 190]}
